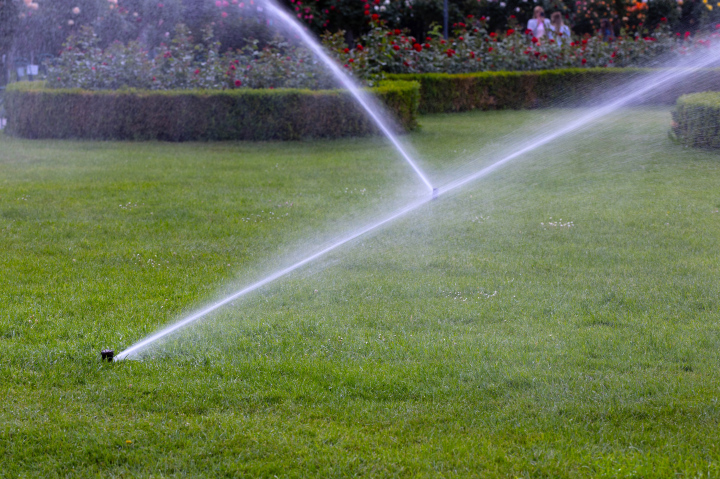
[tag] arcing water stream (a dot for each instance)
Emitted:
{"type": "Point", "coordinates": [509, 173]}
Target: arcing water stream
{"type": "Point", "coordinates": [361, 96]}
{"type": "Point", "coordinates": [633, 92]}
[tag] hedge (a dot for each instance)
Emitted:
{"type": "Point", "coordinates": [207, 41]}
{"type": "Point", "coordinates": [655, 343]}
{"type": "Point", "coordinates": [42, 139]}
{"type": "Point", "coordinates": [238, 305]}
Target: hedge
{"type": "Point", "coordinates": [696, 120]}
{"type": "Point", "coordinates": [34, 111]}
{"type": "Point", "coordinates": [442, 93]}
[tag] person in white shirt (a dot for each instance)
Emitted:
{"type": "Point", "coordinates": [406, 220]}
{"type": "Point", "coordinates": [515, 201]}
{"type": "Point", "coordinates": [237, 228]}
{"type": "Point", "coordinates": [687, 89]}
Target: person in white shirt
{"type": "Point", "coordinates": [538, 24]}
{"type": "Point", "coordinates": [558, 30]}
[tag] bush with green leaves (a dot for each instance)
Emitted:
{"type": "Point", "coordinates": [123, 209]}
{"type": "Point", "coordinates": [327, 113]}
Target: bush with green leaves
{"type": "Point", "coordinates": [182, 64]}
{"type": "Point", "coordinates": [35, 111]}
{"type": "Point", "coordinates": [474, 48]}
{"type": "Point", "coordinates": [696, 120]}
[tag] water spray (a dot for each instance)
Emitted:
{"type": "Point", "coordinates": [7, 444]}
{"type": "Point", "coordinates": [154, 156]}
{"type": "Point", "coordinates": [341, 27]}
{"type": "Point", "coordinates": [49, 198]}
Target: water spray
{"type": "Point", "coordinates": [361, 97]}
{"type": "Point", "coordinates": [641, 88]}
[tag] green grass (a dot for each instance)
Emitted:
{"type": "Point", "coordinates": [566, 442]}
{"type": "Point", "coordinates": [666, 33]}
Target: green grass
{"type": "Point", "coordinates": [473, 337]}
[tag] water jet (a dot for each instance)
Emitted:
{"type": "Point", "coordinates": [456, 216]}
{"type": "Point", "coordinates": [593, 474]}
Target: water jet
{"type": "Point", "coordinates": [609, 104]}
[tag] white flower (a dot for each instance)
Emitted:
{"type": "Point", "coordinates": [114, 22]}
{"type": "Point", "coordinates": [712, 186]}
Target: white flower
{"type": "Point", "coordinates": [76, 10]}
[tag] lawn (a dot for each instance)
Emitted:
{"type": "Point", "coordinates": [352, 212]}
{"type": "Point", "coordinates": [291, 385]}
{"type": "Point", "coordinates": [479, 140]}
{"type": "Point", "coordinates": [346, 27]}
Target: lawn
{"type": "Point", "coordinates": [558, 318]}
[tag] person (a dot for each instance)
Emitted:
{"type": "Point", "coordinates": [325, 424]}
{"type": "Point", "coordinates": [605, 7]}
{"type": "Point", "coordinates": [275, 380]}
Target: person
{"type": "Point", "coordinates": [560, 31]}
{"type": "Point", "coordinates": [606, 30]}
{"type": "Point", "coordinates": [538, 24]}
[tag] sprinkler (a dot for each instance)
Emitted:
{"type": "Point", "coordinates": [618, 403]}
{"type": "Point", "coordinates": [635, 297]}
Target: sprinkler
{"type": "Point", "coordinates": [107, 354]}
{"type": "Point", "coordinates": [435, 193]}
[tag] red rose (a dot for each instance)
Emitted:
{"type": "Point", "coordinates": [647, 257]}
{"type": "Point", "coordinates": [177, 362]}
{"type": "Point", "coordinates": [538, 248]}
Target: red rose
{"type": "Point", "coordinates": [396, 47]}
{"type": "Point", "coordinates": [238, 83]}
{"type": "Point", "coordinates": [583, 61]}
{"type": "Point", "coordinates": [347, 50]}
{"type": "Point", "coordinates": [663, 19]}
{"type": "Point", "coordinates": [197, 72]}
{"type": "Point", "coordinates": [584, 42]}
{"type": "Point", "coordinates": [490, 49]}
{"type": "Point", "coordinates": [397, 32]}
{"type": "Point", "coordinates": [510, 31]}
{"type": "Point", "coordinates": [417, 47]}
{"type": "Point", "coordinates": [461, 38]}
{"type": "Point", "coordinates": [359, 48]}
{"type": "Point", "coordinates": [534, 39]}
{"type": "Point", "coordinates": [375, 16]}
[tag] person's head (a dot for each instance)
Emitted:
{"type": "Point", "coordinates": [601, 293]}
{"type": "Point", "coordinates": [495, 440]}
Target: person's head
{"type": "Point", "coordinates": [604, 24]}
{"type": "Point", "coordinates": [538, 13]}
{"type": "Point", "coordinates": [556, 19]}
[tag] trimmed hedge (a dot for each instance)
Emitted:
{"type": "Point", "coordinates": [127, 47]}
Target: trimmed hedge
{"type": "Point", "coordinates": [696, 120]}
{"type": "Point", "coordinates": [34, 111]}
{"type": "Point", "coordinates": [442, 93]}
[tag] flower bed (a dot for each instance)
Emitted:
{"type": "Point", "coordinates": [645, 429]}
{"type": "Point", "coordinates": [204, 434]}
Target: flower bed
{"type": "Point", "coordinates": [35, 111]}
{"type": "Point", "coordinates": [696, 120]}
{"type": "Point", "coordinates": [497, 90]}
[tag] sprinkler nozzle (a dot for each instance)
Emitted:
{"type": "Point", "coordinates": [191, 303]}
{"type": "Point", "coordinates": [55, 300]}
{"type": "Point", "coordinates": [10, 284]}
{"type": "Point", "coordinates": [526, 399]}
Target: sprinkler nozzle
{"type": "Point", "coordinates": [107, 354]}
{"type": "Point", "coordinates": [435, 193]}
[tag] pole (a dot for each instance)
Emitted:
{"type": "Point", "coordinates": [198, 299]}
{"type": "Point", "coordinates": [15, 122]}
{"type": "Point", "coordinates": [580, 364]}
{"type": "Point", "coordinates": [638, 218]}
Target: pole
{"type": "Point", "coordinates": [445, 19]}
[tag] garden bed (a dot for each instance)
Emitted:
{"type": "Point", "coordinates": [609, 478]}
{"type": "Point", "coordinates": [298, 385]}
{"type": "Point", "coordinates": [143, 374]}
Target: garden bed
{"type": "Point", "coordinates": [35, 111]}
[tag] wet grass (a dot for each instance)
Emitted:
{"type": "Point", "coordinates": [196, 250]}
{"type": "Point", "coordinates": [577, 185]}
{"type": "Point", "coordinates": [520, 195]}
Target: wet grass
{"type": "Point", "coordinates": [558, 318]}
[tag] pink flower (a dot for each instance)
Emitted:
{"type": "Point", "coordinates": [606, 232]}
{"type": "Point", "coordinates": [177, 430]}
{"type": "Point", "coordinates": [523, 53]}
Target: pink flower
{"type": "Point", "coordinates": [223, 14]}
{"type": "Point", "coordinates": [238, 83]}
{"type": "Point", "coordinates": [197, 72]}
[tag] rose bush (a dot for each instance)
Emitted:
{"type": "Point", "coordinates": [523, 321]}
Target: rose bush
{"type": "Point", "coordinates": [474, 48]}
{"type": "Point", "coordinates": [182, 65]}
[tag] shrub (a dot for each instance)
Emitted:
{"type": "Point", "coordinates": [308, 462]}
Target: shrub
{"type": "Point", "coordinates": [515, 90]}
{"type": "Point", "coordinates": [285, 114]}
{"type": "Point", "coordinates": [183, 65]}
{"type": "Point", "coordinates": [474, 48]}
{"type": "Point", "coordinates": [696, 120]}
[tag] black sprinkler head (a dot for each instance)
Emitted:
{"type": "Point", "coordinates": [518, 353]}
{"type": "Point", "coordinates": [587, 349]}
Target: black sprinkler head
{"type": "Point", "coordinates": [435, 193]}
{"type": "Point", "coordinates": [107, 354]}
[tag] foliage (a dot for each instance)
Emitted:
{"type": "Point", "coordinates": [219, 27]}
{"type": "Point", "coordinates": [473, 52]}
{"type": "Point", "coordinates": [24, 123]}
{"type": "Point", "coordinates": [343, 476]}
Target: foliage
{"type": "Point", "coordinates": [182, 115]}
{"type": "Point", "coordinates": [475, 48]}
{"type": "Point", "coordinates": [696, 120]}
{"type": "Point", "coordinates": [498, 90]}
{"type": "Point", "coordinates": [184, 65]}
{"type": "Point", "coordinates": [8, 25]}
